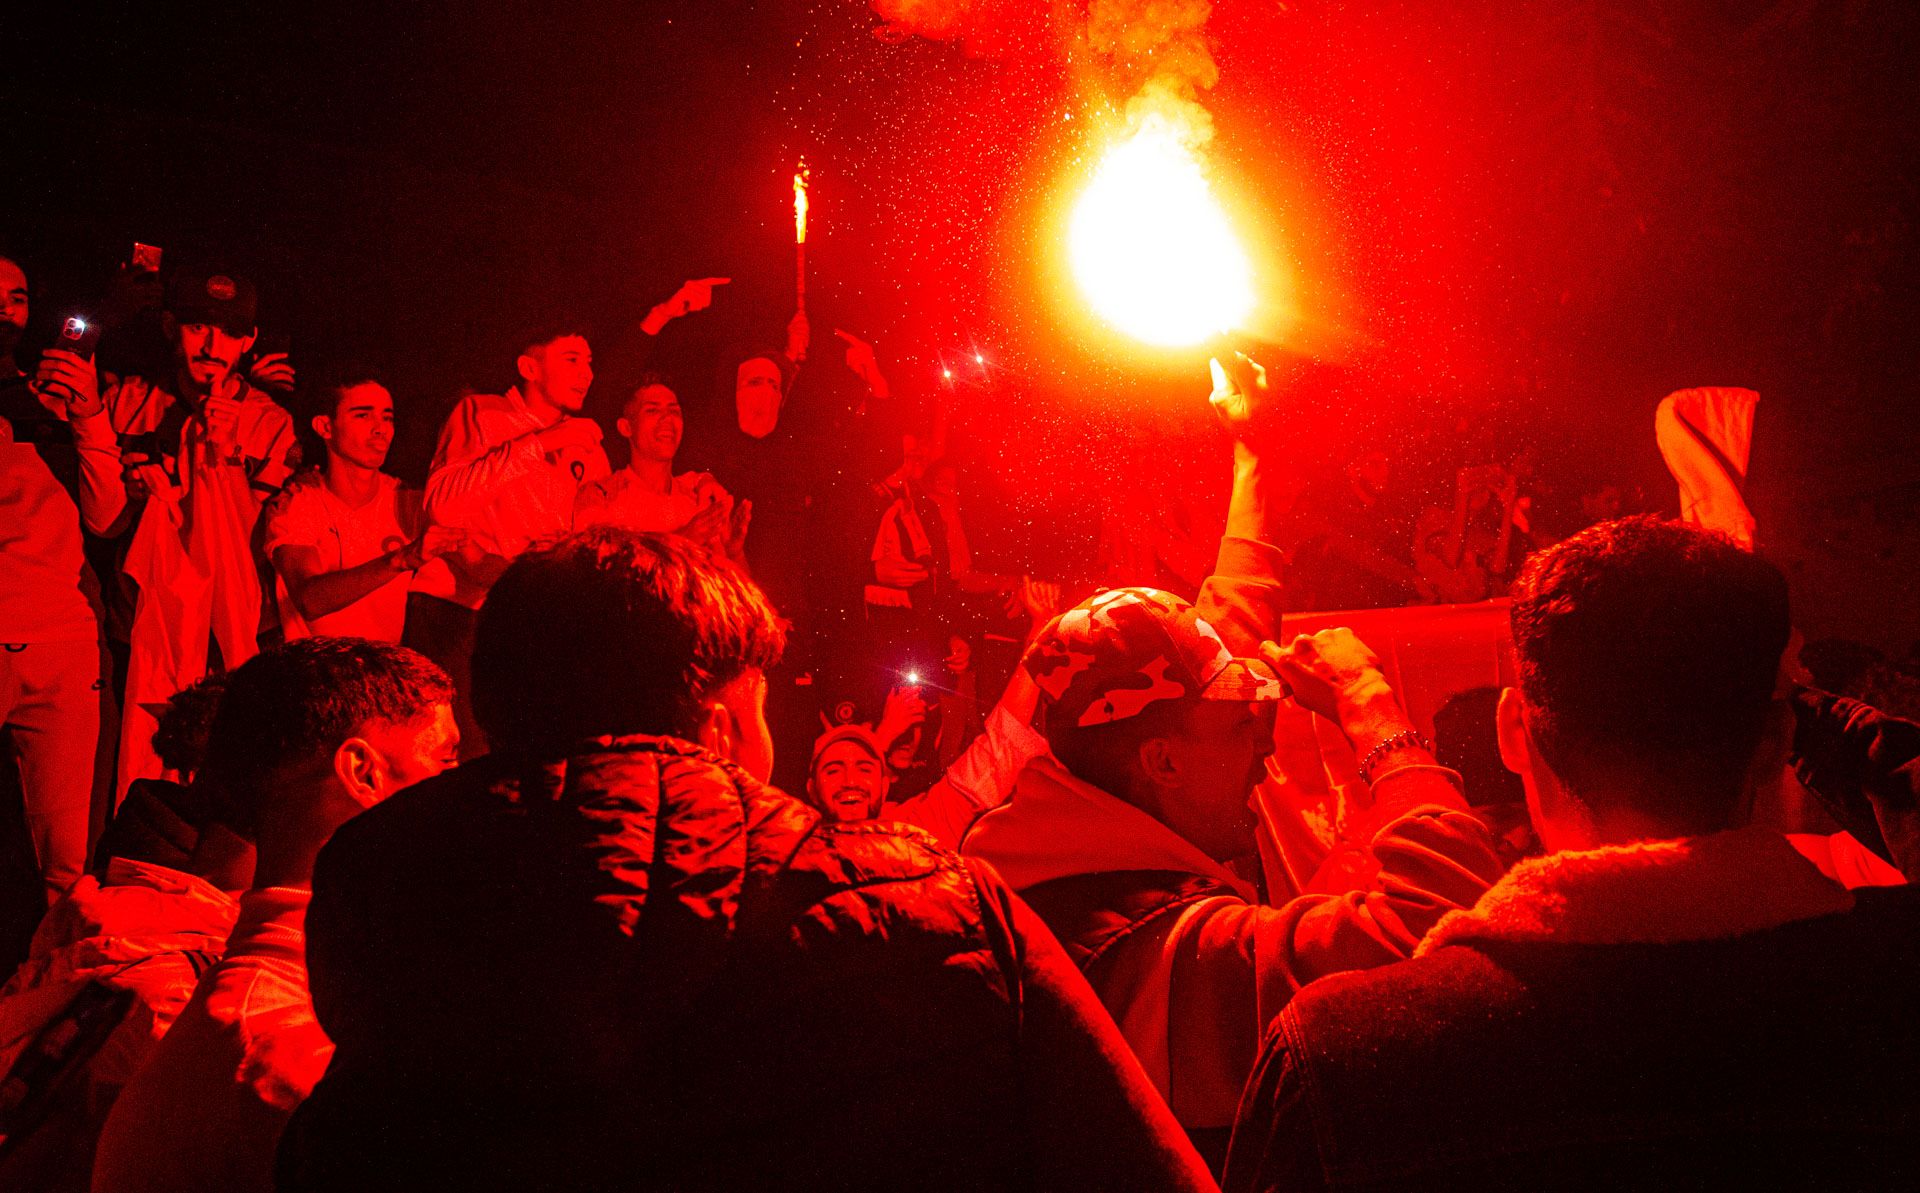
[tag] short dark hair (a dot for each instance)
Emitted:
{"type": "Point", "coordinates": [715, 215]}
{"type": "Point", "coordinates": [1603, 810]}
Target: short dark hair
{"type": "Point", "coordinates": [323, 397]}
{"type": "Point", "coordinates": [1648, 652]}
{"type": "Point", "coordinates": [546, 328]}
{"type": "Point", "coordinates": [180, 737]}
{"type": "Point", "coordinates": [1103, 754]}
{"type": "Point", "coordinates": [629, 394]}
{"type": "Point", "coordinates": [611, 631]}
{"type": "Point", "coordinates": [293, 705]}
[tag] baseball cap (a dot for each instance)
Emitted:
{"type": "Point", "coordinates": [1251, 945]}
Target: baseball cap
{"type": "Point", "coordinates": [225, 300]}
{"type": "Point", "coordinates": [1111, 656]}
{"type": "Point", "coordinates": [840, 733]}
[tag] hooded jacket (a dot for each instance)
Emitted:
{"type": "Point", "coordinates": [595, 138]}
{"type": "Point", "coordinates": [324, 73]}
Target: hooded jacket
{"type": "Point", "coordinates": [1180, 949]}
{"type": "Point", "coordinates": [636, 967]}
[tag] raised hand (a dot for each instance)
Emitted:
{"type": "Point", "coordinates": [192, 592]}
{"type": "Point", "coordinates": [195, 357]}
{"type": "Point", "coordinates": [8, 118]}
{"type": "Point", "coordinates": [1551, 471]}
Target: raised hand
{"type": "Point", "coordinates": [865, 365]}
{"type": "Point", "coordinates": [71, 378]}
{"type": "Point", "coordinates": [1329, 671]}
{"type": "Point", "coordinates": [272, 371]}
{"type": "Point", "coordinates": [1240, 394]}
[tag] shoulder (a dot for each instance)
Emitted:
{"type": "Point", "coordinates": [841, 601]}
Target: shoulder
{"type": "Point", "coordinates": [299, 498]}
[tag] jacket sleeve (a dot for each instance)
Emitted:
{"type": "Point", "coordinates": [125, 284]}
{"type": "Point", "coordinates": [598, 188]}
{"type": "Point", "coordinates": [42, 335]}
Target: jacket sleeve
{"type": "Point", "coordinates": [103, 490]}
{"type": "Point", "coordinates": [1273, 1145]}
{"type": "Point", "coordinates": [978, 781]}
{"type": "Point", "coordinates": [1865, 768]}
{"type": "Point", "coordinates": [1095, 1120]}
{"type": "Point", "coordinates": [1242, 599]}
{"type": "Point", "coordinates": [467, 470]}
{"type": "Point", "coordinates": [1234, 966]}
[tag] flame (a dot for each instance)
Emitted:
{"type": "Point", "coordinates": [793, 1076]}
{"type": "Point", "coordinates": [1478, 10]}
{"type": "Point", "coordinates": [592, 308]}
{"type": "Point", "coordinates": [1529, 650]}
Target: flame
{"type": "Point", "coordinates": [1152, 248]}
{"type": "Point", "coordinates": [800, 205]}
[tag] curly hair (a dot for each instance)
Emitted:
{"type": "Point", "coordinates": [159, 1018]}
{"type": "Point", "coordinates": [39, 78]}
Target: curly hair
{"type": "Point", "coordinates": [1648, 652]}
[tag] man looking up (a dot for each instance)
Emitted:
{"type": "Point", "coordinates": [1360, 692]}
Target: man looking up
{"type": "Point", "coordinates": [344, 538]}
{"type": "Point", "coordinates": [647, 495]}
{"type": "Point", "coordinates": [307, 737]}
{"type": "Point", "coordinates": [1672, 996]}
{"type": "Point", "coordinates": [608, 956]}
{"type": "Point", "coordinates": [1133, 841]}
{"type": "Point", "coordinates": [203, 451]}
{"type": "Point", "coordinates": [507, 472]}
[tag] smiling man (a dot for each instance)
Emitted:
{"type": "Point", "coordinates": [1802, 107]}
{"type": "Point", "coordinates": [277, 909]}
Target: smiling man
{"type": "Point", "coordinates": [345, 538]}
{"type": "Point", "coordinates": [647, 495]}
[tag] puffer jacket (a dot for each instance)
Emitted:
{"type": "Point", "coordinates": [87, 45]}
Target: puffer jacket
{"type": "Point", "coordinates": [638, 968]}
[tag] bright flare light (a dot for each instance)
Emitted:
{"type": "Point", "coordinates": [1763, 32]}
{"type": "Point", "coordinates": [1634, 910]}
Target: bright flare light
{"type": "Point", "coordinates": [800, 206]}
{"type": "Point", "coordinates": [1152, 248]}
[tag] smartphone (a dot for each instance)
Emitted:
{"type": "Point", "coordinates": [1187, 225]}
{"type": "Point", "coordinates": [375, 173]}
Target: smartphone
{"type": "Point", "coordinates": [266, 344]}
{"type": "Point", "coordinates": [78, 335]}
{"type": "Point", "coordinates": [145, 257]}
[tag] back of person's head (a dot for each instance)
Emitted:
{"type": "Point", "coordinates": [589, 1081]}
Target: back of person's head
{"type": "Point", "coordinates": [614, 632]}
{"type": "Point", "coordinates": [1648, 652]}
{"type": "Point", "coordinates": [286, 711]}
{"type": "Point", "coordinates": [180, 735]}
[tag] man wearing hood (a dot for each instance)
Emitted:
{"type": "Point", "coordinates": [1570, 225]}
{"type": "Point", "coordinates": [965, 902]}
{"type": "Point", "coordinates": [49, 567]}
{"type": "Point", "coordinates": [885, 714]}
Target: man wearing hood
{"type": "Point", "coordinates": [1135, 838]}
{"type": "Point", "coordinates": [607, 955]}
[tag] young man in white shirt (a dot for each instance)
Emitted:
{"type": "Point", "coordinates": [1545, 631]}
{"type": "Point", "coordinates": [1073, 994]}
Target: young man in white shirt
{"type": "Point", "coordinates": [507, 471]}
{"type": "Point", "coordinates": [345, 538]}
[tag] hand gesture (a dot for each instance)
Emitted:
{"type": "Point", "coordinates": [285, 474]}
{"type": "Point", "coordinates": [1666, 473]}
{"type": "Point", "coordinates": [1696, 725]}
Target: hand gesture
{"type": "Point", "coordinates": [272, 371]}
{"type": "Point", "coordinates": [434, 542]}
{"type": "Point", "coordinates": [568, 433]}
{"type": "Point", "coordinates": [708, 528]}
{"type": "Point", "coordinates": [72, 379]}
{"type": "Point", "coordinates": [1240, 393]}
{"type": "Point", "coordinates": [1327, 669]}
{"type": "Point", "coordinates": [222, 416]}
{"type": "Point", "coordinates": [737, 525]}
{"type": "Point", "coordinates": [904, 709]}
{"type": "Point", "coordinates": [959, 655]}
{"type": "Point", "coordinates": [1040, 600]}
{"type": "Point", "coordinates": [799, 335]}
{"type": "Point", "coordinates": [865, 365]}
{"type": "Point", "coordinates": [694, 294]}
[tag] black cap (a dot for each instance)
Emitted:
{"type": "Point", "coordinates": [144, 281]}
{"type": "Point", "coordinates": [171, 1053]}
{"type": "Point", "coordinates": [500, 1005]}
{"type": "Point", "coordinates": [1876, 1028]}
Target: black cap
{"type": "Point", "coordinates": [225, 300]}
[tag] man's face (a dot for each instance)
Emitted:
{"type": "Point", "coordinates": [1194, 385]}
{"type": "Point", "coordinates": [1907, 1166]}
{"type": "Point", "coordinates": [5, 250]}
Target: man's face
{"type": "Point", "coordinates": [13, 307]}
{"type": "Point", "coordinates": [361, 428]}
{"type": "Point", "coordinates": [417, 749]}
{"type": "Point", "coordinates": [1222, 755]}
{"type": "Point", "coordinates": [653, 424]}
{"type": "Point", "coordinates": [560, 371]}
{"type": "Point", "coordinates": [756, 396]}
{"type": "Point", "coordinates": [848, 783]}
{"type": "Point", "coordinates": [209, 353]}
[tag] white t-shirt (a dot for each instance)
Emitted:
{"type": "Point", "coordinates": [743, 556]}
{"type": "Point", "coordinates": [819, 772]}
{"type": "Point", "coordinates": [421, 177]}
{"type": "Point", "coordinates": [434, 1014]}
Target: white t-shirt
{"type": "Point", "coordinates": [308, 514]}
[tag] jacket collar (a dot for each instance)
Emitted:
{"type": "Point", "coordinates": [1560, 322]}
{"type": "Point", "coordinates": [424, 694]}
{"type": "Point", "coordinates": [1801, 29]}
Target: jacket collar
{"type": "Point", "coordinates": [1057, 826]}
{"type": "Point", "coordinates": [1662, 892]}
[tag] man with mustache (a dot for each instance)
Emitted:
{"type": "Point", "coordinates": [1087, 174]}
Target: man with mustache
{"type": "Point", "coordinates": [203, 450]}
{"type": "Point", "coordinates": [345, 538]}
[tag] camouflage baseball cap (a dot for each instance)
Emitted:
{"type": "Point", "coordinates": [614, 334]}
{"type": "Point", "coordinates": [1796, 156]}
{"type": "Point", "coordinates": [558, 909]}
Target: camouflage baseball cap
{"type": "Point", "coordinates": [1110, 657]}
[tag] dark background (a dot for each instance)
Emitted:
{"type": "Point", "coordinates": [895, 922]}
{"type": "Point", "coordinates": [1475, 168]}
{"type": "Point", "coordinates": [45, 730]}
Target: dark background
{"type": "Point", "coordinates": [1514, 227]}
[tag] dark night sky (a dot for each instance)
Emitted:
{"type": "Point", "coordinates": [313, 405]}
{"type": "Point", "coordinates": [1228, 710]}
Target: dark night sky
{"type": "Point", "coordinates": [1528, 226]}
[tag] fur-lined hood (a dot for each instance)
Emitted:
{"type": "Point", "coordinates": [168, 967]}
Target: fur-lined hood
{"type": "Point", "coordinates": [1697, 888]}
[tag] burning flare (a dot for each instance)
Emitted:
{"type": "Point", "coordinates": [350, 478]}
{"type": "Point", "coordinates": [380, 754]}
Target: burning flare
{"type": "Point", "coordinates": [800, 206]}
{"type": "Point", "coordinates": [1153, 249]}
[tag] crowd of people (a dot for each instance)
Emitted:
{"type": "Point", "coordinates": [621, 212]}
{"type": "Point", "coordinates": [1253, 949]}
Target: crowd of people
{"type": "Point", "coordinates": [397, 838]}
